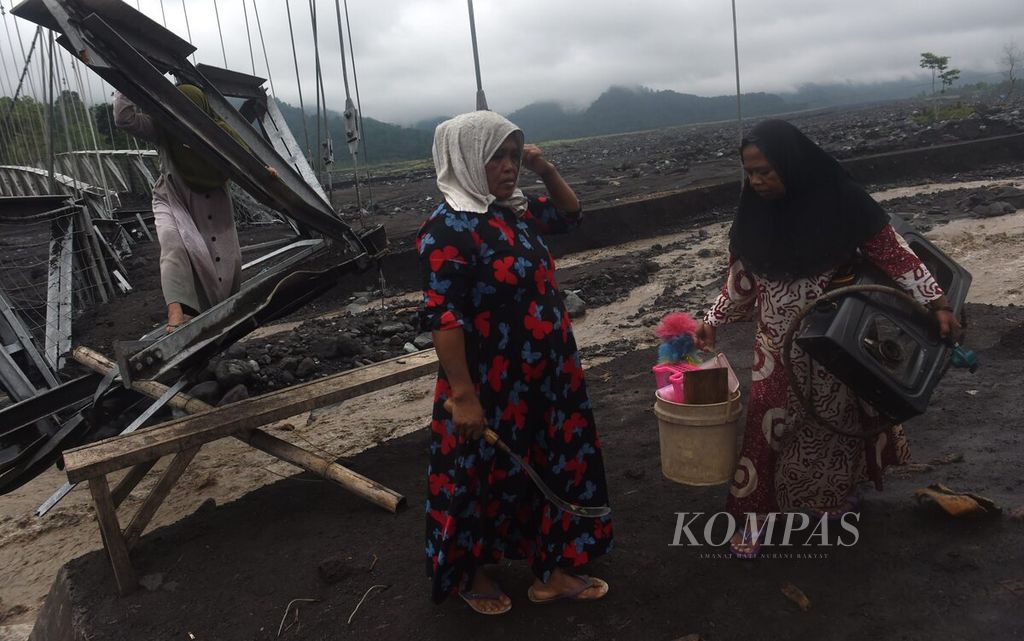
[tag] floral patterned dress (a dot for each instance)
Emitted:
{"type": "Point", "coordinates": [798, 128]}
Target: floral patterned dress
{"type": "Point", "coordinates": [492, 276]}
{"type": "Point", "coordinates": [812, 468]}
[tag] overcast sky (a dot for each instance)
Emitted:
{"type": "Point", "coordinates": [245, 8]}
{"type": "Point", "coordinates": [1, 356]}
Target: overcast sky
{"type": "Point", "coordinates": [414, 57]}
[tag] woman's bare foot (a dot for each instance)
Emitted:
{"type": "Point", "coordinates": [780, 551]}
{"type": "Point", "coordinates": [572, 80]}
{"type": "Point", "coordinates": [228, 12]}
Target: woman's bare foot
{"type": "Point", "coordinates": [176, 317]}
{"type": "Point", "coordinates": [746, 544]}
{"type": "Point", "coordinates": [564, 585]}
{"type": "Point", "coordinates": [485, 596]}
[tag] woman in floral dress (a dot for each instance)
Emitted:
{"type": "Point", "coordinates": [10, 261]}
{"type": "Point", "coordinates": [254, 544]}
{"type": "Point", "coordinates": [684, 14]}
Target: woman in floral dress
{"type": "Point", "coordinates": [801, 218]}
{"type": "Point", "coordinates": [508, 362]}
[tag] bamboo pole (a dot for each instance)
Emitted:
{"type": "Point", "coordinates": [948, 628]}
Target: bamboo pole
{"type": "Point", "coordinates": [329, 470]}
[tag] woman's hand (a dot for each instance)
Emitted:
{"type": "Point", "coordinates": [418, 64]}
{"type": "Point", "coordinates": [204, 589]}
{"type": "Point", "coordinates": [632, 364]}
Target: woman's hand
{"type": "Point", "coordinates": [468, 415]}
{"type": "Point", "coordinates": [705, 336]}
{"type": "Point", "coordinates": [272, 173]}
{"type": "Point", "coordinates": [949, 324]}
{"type": "Point", "coordinates": [534, 160]}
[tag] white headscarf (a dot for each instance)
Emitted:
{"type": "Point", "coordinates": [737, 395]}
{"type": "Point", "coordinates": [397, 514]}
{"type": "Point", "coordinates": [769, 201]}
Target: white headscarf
{"type": "Point", "coordinates": [462, 146]}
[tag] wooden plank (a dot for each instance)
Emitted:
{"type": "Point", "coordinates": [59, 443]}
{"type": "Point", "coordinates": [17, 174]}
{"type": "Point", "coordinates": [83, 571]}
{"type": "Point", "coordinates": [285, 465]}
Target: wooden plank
{"type": "Point", "coordinates": [142, 224]}
{"type": "Point", "coordinates": [156, 497]}
{"type": "Point", "coordinates": [125, 486]}
{"type": "Point", "coordinates": [352, 481]}
{"type": "Point", "coordinates": [324, 468]}
{"type": "Point", "coordinates": [113, 541]}
{"type": "Point", "coordinates": [175, 436]}
{"type": "Point", "coordinates": [706, 386]}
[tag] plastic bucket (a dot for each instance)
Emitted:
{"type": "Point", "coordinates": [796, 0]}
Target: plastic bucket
{"type": "Point", "coordinates": [699, 442]}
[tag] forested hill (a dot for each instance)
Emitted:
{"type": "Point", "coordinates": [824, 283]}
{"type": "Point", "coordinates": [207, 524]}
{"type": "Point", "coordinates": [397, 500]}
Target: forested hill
{"type": "Point", "coordinates": [617, 110]}
{"type": "Point", "coordinates": [384, 142]}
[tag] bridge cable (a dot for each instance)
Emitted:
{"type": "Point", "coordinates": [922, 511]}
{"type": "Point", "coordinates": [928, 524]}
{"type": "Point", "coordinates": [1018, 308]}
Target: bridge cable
{"type": "Point", "coordinates": [188, 29]}
{"type": "Point", "coordinates": [223, 52]}
{"type": "Point", "coordinates": [298, 81]}
{"type": "Point", "coordinates": [95, 139]}
{"type": "Point", "coordinates": [38, 135]}
{"type": "Point", "coordinates": [351, 116]}
{"type": "Point", "coordinates": [263, 44]}
{"type": "Point", "coordinates": [326, 143]}
{"type": "Point", "coordinates": [359, 107]}
{"type": "Point", "coordinates": [248, 36]}
{"type": "Point", "coordinates": [61, 101]}
{"type": "Point", "coordinates": [7, 128]}
{"type": "Point", "coordinates": [37, 38]}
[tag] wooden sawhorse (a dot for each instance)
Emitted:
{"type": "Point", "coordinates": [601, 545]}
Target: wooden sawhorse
{"type": "Point", "coordinates": [139, 451]}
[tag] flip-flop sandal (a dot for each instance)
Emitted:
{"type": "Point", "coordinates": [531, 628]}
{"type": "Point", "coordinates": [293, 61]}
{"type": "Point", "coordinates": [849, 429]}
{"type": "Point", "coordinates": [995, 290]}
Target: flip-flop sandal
{"type": "Point", "coordinates": [748, 547]}
{"type": "Point", "coordinates": [573, 595]}
{"type": "Point", "coordinates": [472, 597]}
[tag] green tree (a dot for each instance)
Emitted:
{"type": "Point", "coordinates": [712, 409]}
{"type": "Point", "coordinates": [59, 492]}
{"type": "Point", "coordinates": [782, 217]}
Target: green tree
{"type": "Point", "coordinates": [936, 63]}
{"type": "Point", "coordinates": [1012, 60]}
{"type": "Point", "coordinates": [948, 77]}
{"type": "Point", "coordinates": [22, 140]}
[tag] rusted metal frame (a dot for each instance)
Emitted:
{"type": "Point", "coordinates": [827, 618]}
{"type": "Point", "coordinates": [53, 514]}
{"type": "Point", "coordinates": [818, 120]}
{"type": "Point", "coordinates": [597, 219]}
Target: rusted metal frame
{"type": "Point", "coordinates": [58, 291]}
{"type": "Point", "coordinates": [144, 84]}
{"type": "Point", "coordinates": [89, 253]}
{"type": "Point", "coordinates": [47, 403]}
{"type": "Point", "coordinates": [267, 296]}
{"type": "Point", "coordinates": [15, 381]}
{"type": "Point", "coordinates": [308, 242]}
{"type": "Point", "coordinates": [10, 317]}
{"type": "Point", "coordinates": [89, 36]}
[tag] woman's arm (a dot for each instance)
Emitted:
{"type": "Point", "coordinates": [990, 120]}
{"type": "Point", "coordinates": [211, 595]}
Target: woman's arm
{"type": "Point", "coordinates": [447, 270]}
{"type": "Point", "coordinates": [467, 413]}
{"type": "Point", "coordinates": [734, 303]}
{"type": "Point", "coordinates": [890, 253]}
{"type": "Point", "coordinates": [128, 117]}
{"type": "Point", "coordinates": [562, 195]}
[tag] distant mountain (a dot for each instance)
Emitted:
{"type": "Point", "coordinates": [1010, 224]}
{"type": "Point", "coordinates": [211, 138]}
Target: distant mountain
{"type": "Point", "coordinates": [617, 110]}
{"type": "Point", "coordinates": [384, 142]}
{"type": "Point", "coordinates": [622, 109]}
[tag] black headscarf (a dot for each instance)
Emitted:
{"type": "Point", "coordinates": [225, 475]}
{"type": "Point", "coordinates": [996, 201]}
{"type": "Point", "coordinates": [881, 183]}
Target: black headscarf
{"type": "Point", "coordinates": [819, 223]}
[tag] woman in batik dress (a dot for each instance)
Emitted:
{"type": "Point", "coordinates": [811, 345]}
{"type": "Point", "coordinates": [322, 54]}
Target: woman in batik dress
{"type": "Point", "coordinates": [508, 362]}
{"type": "Point", "coordinates": [801, 218]}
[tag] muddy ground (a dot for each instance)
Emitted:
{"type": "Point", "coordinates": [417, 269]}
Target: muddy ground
{"type": "Point", "coordinates": [913, 573]}
{"type": "Point", "coordinates": [954, 579]}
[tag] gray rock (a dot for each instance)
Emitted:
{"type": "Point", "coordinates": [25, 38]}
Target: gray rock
{"type": "Point", "coordinates": [575, 305]}
{"type": "Point", "coordinates": [349, 345]}
{"type": "Point", "coordinates": [327, 348]}
{"type": "Point", "coordinates": [423, 341]}
{"type": "Point", "coordinates": [306, 367]}
{"type": "Point", "coordinates": [237, 393]}
{"type": "Point", "coordinates": [390, 329]}
{"type": "Point", "coordinates": [651, 266]}
{"type": "Point", "coordinates": [232, 371]}
{"type": "Point", "coordinates": [207, 392]}
{"type": "Point", "coordinates": [409, 348]}
{"type": "Point", "coordinates": [997, 208]}
{"type": "Point", "coordinates": [705, 253]}
{"type": "Point", "coordinates": [235, 351]}
{"type": "Point", "coordinates": [290, 363]}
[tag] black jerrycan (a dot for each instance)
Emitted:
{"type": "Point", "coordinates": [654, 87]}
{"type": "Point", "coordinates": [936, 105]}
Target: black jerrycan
{"type": "Point", "coordinates": [873, 342]}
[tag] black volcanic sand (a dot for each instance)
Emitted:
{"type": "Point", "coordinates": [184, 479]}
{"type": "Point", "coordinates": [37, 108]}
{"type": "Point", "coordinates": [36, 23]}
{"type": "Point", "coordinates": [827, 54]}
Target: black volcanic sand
{"type": "Point", "coordinates": [229, 571]}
